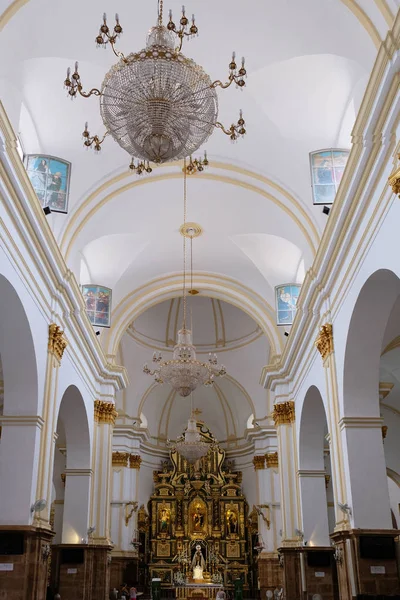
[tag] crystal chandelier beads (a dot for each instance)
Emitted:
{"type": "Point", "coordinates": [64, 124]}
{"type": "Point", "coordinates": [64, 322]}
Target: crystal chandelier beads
{"type": "Point", "coordinates": [191, 445]}
{"type": "Point", "coordinates": [157, 104]}
{"type": "Point", "coordinates": [184, 372]}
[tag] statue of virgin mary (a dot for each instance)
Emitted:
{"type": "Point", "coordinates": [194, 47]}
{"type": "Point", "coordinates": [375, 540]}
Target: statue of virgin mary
{"type": "Point", "coordinates": [198, 563]}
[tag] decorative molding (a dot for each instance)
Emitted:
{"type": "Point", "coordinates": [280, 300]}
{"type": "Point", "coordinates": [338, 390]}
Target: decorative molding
{"type": "Point", "coordinates": [360, 422]}
{"type": "Point", "coordinates": [134, 461]}
{"type": "Point", "coordinates": [104, 412]}
{"type": "Point", "coordinates": [259, 462]}
{"type": "Point", "coordinates": [324, 341]}
{"type": "Point", "coordinates": [120, 459]}
{"type": "Point", "coordinates": [385, 387]}
{"type": "Point", "coordinates": [272, 460]}
{"type": "Point", "coordinates": [284, 413]}
{"type": "Point", "coordinates": [57, 341]}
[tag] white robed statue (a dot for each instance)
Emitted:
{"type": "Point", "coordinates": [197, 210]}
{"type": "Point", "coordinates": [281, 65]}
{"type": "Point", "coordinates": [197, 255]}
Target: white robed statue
{"type": "Point", "coordinates": [198, 563]}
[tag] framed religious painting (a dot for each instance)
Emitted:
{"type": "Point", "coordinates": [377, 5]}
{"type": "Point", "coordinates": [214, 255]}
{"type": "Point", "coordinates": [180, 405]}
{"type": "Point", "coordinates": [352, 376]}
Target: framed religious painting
{"type": "Point", "coordinates": [286, 297]}
{"type": "Point", "coordinates": [327, 168]}
{"type": "Point", "coordinates": [98, 304]}
{"type": "Point", "coordinates": [50, 177]}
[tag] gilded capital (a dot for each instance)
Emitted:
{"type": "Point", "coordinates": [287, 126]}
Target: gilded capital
{"type": "Point", "coordinates": [104, 412]}
{"type": "Point", "coordinates": [120, 459]}
{"type": "Point", "coordinates": [259, 462]}
{"type": "Point", "coordinates": [272, 460]}
{"type": "Point", "coordinates": [283, 413]}
{"type": "Point", "coordinates": [134, 461]}
{"type": "Point", "coordinates": [57, 342]}
{"type": "Point", "coordinates": [324, 341]}
{"type": "Point", "coordinates": [394, 181]}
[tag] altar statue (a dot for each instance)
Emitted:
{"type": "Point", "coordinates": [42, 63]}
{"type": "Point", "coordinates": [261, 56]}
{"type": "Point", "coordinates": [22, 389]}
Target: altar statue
{"type": "Point", "coordinates": [198, 563]}
{"type": "Point", "coordinates": [164, 520]}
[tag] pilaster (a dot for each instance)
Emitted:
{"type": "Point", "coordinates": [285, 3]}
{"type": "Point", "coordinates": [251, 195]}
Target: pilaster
{"type": "Point", "coordinates": [55, 350]}
{"type": "Point", "coordinates": [104, 417]}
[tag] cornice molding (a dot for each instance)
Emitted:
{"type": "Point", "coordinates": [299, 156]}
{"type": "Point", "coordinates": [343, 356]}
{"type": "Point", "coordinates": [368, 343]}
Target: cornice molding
{"type": "Point", "coordinates": [23, 208]}
{"type": "Point", "coordinates": [361, 423]}
{"type": "Point", "coordinates": [369, 151]}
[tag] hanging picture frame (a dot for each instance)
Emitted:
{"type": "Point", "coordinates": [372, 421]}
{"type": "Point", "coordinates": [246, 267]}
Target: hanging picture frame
{"type": "Point", "coordinates": [98, 304]}
{"type": "Point", "coordinates": [50, 178]}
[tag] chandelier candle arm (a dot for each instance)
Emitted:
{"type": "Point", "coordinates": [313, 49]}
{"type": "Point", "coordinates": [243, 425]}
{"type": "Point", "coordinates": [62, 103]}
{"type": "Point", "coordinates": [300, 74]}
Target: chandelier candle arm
{"type": "Point", "coordinates": [183, 31]}
{"type": "Point", "coordinates": [73, 85]}
{"type": "Point", "coordinates": [234, 131]}
{"type": "Point", "coordinates": [94, 140]}
{"type": "Point", "coordinates": [235, 75]}
{"type": "Point", "coordinates": [105, 37]}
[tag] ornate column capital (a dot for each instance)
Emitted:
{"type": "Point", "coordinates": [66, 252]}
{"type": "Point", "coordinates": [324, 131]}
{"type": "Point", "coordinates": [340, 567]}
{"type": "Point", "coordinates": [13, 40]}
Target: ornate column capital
{"type": "Point", "coordinates": [120, 459]}
{"type": "Point", "coordinates": [57, 342]}
{"type": "Point", "coordinates": [394, 181]}
{"type": "Point", "coordinates": [104, 412]}
{"type": "Point", "coordinates": [324, 341]}
{"type": "Point", "coordinates": [272, 460]}
{"type": "Point", "coordinates": [259, 462]}
{"type": "Point", "coordinates": [134, 461]}
{"type": "Point", "coordinates": [284, 413]}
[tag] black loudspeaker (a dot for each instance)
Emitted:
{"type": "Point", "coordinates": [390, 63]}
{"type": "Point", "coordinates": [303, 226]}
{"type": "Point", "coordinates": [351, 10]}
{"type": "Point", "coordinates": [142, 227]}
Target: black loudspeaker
{"type": "Point", "coordinates": [376, 547]}
{"type": "Point", "coordinates": [319, 559]}
{"type": "Point", "coordinates": [72, 556]}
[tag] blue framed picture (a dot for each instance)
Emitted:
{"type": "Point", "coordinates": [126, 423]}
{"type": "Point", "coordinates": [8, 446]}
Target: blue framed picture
{"type": "Point", "coordinates": [327, 168]}
{"type": "Point", "coordinates": [98, 304]}
{"type": "Point", "coordinates": [286, 297]}
{"type": "Point", "coordinates": [50, 177]}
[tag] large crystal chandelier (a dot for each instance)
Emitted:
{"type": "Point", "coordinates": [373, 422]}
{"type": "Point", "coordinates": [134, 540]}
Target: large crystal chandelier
{"type": "Point", "coordinates": [191, 445]}
{"type": "Point", "coordinates": [184, 372]}
{"type": "Point", "coordinates": [157, 104]}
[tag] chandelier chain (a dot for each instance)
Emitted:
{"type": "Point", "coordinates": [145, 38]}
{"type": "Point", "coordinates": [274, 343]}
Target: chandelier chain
{"type": "Point", "coordinates": [184, 241]}
{"type": "Point", "coordinates": [160, 11]}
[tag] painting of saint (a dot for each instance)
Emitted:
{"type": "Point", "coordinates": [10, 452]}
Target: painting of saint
{"type": "Point", "coordinates": [232, 522]}
{"type": "Point", "coordinates": [50, 179]}
{"type": "Point", "coordinates": [327, 167]}
{"type": "Point", "coordinates": [163, 520]}
{"type": "Point", "coordinates": [98, 304]}
{"type": "Point", "coordinates": [286, 302]}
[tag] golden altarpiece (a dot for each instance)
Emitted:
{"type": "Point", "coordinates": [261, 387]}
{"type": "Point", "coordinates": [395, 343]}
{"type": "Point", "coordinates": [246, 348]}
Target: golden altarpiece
{"type": "Point", "coordinates": [198, 531]}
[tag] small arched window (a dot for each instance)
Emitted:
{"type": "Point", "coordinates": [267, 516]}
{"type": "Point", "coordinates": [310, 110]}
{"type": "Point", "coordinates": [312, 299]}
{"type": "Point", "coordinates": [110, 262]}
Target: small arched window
{"type": "Point", "coordinates": [327, 167]}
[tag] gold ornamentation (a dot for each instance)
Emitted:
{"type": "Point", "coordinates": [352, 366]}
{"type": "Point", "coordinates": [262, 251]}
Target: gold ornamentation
{"type": "Point", "coordinates": [63, 477]}
{"type": "Point", "coordinates": [324, 341]}
{"type": "Point", "coordinates": [190, 230]}
{"type": "Point", "coordinates": [327, 480]}
{"type": "Point", "coordinates": [104, 412]}
{"type": "Point", "coordinates": [259, 462]}
{"type": "Point", "coordinates": [253, 520]}
{"type": "Point", "coordinates": [272, 460]}
{"type": "Point", "coordinates": [120, 459]}
{"type": "Point", "coordinates": [394, 181]}
{"type": "Point", "coordinates": [57, 342]}
{"type": "Point", "coordinates": [284, 413]}
{"type": "Point", "coordinates": [130, 508]}
{"type": "Point", "coordinates": [163, 549]}
{"type": "Point", "coordinates": [384, 431]}
{"type": "Point", "coordinates": [143, 519]}
{"type": "Point", "coordinates": [134, 461]}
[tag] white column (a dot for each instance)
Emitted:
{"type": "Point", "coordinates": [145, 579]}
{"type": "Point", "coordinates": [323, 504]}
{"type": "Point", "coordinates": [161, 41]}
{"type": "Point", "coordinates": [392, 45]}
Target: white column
{"type": "Point", "coordinates": [284, 416]}
{"type": "Point", "coordinates": [55, 350]}
{"type": "Point", "coordinates": [104, 415]}
{"type": "Point", "coordinates": [19, 458]}
{"type": "Point", "coordinates": [365, 470]}
{"type": "Point", "coordinates": [124, 503]}
{"type": "Point", "coordinates": [314, 507]}
{"type": "Point", "coordinates": [272, 464]}
{"type": "Point", "coordinates": [76, 506]}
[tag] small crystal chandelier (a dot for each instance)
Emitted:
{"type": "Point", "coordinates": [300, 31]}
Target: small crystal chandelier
{"type": "Point", "coordinates": [157, 104]}
{"type": "Point", "coordinates": [191, 445]}
{"type": "Point", "coordinates": [184, 372]}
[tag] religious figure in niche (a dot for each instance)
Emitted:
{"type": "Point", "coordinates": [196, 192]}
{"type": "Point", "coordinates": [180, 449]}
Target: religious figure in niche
{"type": "Point", "coordinates": [164, 518]}
{"type": "Point", "coordinates": [198, 563]}
{"type": "Point", "coordinates": [232, 522]}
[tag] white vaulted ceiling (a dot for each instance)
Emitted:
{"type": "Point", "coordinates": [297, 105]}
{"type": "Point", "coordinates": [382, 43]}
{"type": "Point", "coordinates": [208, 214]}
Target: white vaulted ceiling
{"type": "Point", "coordinates": [308, 64]}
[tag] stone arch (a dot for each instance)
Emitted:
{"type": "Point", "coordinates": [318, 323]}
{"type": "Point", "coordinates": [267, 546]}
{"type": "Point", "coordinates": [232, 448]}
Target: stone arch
{"type": "Point", "coordinates": [18, 354]}
{"type": "Point", "coordinates": [364, 343]}
{"type": "Point", "coordinates": [313, 499]}
{"type": "Point", "coordinates": [73, 425]}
